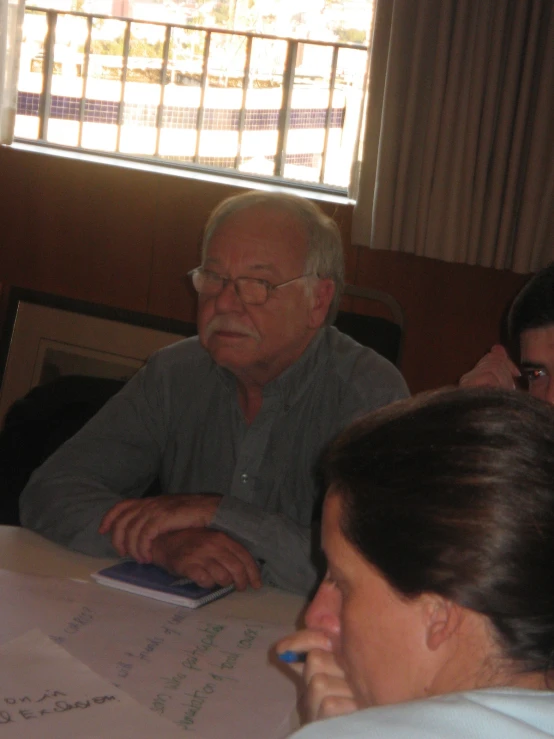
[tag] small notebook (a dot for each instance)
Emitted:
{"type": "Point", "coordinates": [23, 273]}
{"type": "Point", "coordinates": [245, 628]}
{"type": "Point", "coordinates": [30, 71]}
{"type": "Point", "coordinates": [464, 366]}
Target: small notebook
{"type": "Point", "coordinates": [154, 582]}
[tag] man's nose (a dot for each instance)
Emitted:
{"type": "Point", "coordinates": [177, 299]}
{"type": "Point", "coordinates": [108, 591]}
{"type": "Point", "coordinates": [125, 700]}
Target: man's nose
{"type": "Point", "coordinates": [323, 611]}
{"type": "Point", "coordinates": [228, 299]}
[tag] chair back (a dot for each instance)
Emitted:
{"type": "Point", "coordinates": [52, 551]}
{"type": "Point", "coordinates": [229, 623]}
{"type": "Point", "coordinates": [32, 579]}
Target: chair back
{"type": "Point", "coordinates": [36, 425]}
{"type": "Point", "coordinates": [384, 335]}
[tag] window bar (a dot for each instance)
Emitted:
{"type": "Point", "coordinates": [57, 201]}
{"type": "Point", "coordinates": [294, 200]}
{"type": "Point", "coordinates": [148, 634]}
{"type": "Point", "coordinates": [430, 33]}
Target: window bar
{"type": "Point", "coordinates": [45, 102]}
{"type": "Point", "coordinates": [200, 114]}
{"type": "Point", "coordinates": [242, 112]}
{"type": "Point", "coordinates": [125, 62]}
{"type": "Point", "coordinates": [285, 111]}
{"type": "Point", "coordinates": [163, 80]}
{"type": "Point", "coordinates": [84, 74]}
{"type": "Point", "coordinates": [329, 112]}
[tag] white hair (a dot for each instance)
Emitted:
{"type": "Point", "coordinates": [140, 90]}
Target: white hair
{"type": "Point", "coordinates": [325, 256]}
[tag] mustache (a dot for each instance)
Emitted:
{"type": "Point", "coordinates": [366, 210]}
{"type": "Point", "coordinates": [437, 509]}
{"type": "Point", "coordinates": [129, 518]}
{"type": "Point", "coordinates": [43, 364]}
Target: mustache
{"type": "Point", "coordinates": [226, 323]}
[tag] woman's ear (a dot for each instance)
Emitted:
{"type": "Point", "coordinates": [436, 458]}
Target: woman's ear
{"type": "Point", "coordinates": [442, 620]}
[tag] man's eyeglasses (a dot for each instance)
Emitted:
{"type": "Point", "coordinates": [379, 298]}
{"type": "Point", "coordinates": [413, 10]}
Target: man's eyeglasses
{"type": "Point", "coordinates": [250, 290]}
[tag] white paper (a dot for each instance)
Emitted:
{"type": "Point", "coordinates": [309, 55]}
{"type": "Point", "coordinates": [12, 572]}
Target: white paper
{"type": "Point", "coordinates": [208, 675]}
{"type": "Point", "coordinates": [45, 692]}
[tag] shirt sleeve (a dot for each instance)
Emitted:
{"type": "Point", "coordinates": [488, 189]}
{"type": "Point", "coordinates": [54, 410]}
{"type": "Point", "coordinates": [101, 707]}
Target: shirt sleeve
{"type": "Point", "coordinates": [116, 455]}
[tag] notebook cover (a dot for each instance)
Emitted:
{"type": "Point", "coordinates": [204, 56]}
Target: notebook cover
{"type": "Point", "coordinates": [154, 582]}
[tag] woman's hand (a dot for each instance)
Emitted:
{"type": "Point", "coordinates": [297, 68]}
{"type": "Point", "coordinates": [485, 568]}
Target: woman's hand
{"type": "Point", "coordinates": [327, 693]}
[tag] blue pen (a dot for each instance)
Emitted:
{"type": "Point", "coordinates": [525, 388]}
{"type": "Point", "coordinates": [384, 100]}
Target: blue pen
{"type": "Point", "coordinates": [291, 657]}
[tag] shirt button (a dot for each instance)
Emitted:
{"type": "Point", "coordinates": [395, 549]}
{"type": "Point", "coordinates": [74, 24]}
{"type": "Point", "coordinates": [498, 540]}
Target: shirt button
{"type": "Point", "coordinates": [244, 477]}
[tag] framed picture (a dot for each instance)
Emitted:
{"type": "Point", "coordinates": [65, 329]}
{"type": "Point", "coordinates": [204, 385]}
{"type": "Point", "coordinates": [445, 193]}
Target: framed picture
{"type": "Point", "coordinates": [46, 336]}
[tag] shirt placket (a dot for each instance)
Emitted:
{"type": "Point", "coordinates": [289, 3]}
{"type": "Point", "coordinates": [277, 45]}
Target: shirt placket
{"type": "Point", "coordinates": [251, 453]}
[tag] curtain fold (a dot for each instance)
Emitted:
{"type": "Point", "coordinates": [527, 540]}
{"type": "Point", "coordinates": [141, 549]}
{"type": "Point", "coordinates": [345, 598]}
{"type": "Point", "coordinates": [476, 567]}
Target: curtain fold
{"type": "Point", "coordinates": [11, 25]}
{"type": "Point", "coordinates": [458, 152]}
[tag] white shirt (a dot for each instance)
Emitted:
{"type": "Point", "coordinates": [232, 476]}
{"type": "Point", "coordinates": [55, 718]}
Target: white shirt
{"type": "Point", "coordinates": [499, 713]}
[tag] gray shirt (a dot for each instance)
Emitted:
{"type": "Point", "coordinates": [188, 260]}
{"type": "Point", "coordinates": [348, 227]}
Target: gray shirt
{"type": "Point", "coordinates": [179, 418]}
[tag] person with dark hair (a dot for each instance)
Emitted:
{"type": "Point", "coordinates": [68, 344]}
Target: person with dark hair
{"type": "Point", "coordinates": [231, 422]}
{"type": "Point", "coordinates": [436, 616]}
{"type": "Point", "coordinates": [529, 360]}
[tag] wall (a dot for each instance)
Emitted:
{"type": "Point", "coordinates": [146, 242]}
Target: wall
{"type": "Point", "coordinates": [126, 238]}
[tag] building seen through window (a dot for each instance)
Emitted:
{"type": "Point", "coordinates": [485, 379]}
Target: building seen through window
{"type": "Point", "coordinates": [251, 87]}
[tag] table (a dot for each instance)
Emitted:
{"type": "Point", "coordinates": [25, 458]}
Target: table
{"type": "Point", "coordinates": [24, 551]}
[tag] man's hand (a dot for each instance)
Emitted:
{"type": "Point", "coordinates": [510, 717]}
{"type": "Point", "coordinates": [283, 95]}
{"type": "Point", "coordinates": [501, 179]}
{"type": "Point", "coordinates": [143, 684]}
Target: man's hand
{"type": "Point", "coordinates": [208, 557]}
{"type": "Point", "coordinates": [327, 692]}
{"type": "Point", "coordinates": [135, 523]}
{"type": "Point", "coordinates": [495, 369]}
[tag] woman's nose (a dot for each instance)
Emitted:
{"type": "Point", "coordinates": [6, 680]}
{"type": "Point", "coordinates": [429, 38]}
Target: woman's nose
{"type": "Point", "coordinates": [323, 612]}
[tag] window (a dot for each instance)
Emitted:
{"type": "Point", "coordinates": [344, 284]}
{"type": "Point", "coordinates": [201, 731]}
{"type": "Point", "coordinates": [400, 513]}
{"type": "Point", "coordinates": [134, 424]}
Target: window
{"type": "Point", "coordinates": [224, 86]}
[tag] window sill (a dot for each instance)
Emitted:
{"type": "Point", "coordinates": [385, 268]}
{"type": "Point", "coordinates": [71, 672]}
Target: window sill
{"type": "Point", "coordinates": [313, 192]}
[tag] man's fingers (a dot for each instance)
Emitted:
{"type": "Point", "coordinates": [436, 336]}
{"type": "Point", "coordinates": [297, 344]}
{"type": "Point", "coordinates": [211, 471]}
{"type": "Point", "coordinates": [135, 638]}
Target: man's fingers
{"type": "Point", "coordinates": [121, 522]}
{"type": "Point", "coordinates": [248, 569]}
{"type": "Point", "coordinates": [487, 378]}
{"type": "Point", "coordinates": [213, 573]}
{"type": "Point", "coordinates": [136, 529]}
{"type": "Point", "coordinates": [140, 533]}
{"type": "Point", "coordinates": [124, 531]}
{"type": "Point", "coordinates": [211, 555]}
{"type": "Point", "coordinates": [500, 351]}
{"type": "Point", "coordinates": [495, 369]}
{"type": "Point", "coordinates": [163, 520]}
{"type": "Point", "coordinates": [135, 524]}
{"type": "Point", "coordinates": [239, 563]}
{"type": "Point", "coordinates": [500, 360]}
{"type": "Point", "coordinates": [210, 573]}
{"type": "Point", "coordinates": [114, 512]}
{"type": "Point", "coordinates": [198, 574]}
{"type": "Point", "coordinates": [122, 528]}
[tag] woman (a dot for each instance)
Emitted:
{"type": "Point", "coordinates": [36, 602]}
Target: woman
{"type": "Point", "coordinates": [436, 616]}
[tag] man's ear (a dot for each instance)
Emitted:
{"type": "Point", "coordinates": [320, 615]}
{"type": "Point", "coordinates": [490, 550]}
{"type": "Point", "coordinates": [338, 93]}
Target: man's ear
{"type": "Point", "coordinates": [442, 620]}
{"type": "Point", "coordinates": [323, 293]}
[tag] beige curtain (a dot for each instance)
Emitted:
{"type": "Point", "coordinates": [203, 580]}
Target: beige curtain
{"type": "Point", "coordinates": [458, 151]}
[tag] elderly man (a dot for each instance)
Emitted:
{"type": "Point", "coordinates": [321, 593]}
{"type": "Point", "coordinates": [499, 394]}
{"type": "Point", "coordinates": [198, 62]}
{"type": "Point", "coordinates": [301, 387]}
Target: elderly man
{"type": "Point", "coordinates": [232, 422]}
{"type": "Point", "coordinates": [531, 334]}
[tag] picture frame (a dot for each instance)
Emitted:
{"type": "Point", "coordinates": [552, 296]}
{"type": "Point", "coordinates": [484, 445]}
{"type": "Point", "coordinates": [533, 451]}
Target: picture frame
{"type": "Point", "coordinates": [45, 336]}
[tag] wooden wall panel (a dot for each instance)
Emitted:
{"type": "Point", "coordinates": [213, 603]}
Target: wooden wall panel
{"type": "Point", "coordinates": [453, 311]}
{"type": "Point", "coordinates": [76, 229]}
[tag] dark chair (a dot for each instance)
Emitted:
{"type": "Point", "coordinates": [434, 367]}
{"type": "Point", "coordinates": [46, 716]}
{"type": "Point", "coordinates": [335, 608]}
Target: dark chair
{"type": "Point", "coordinates": [36, 425]}
{"type": "Point", "coordinates": [385, 335]}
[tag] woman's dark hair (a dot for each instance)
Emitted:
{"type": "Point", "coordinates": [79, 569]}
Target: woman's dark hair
{"type": "Point", "coordinates": [453, 493]}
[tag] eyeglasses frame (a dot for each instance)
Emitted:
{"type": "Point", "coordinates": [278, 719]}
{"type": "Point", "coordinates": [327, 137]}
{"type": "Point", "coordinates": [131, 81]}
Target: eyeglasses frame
{"type": "Point", "coordinates": [269, 286]}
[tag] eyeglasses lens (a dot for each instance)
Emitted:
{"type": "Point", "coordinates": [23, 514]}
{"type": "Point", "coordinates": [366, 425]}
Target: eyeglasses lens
{"type": "Point", "coordinates": [249, 291]}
